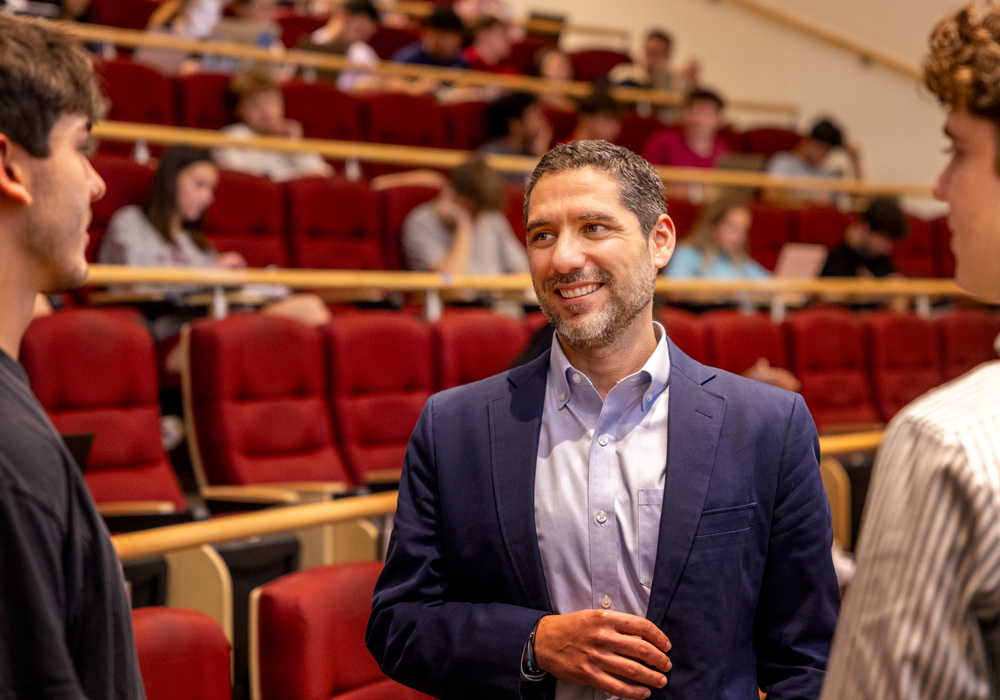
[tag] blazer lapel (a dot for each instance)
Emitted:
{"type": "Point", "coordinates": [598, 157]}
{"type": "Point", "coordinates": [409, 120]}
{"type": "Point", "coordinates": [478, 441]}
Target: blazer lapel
{"type": "Point", "coordinates": [515, 422]}
{"type": "Point", "coordinates": [694, 423]}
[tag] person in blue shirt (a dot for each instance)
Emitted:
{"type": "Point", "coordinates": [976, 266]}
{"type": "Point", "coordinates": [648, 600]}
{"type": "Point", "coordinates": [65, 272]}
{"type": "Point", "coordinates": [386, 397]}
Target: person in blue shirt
{"type": "Point", "coordinates": [441, 44]}
{"type": "Point", "coordinates": [718, 245]}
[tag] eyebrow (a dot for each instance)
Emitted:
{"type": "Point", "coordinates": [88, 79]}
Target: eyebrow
{"type": "Point", "coordinates": [588, 216]}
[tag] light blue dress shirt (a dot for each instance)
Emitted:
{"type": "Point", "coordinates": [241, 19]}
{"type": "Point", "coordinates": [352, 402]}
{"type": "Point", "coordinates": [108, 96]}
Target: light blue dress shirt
{"type": "Point", "coordinates": [599, 483]}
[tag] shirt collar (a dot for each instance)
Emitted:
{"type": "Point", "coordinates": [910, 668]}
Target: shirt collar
{"type": "Point", "coordinates": [655, 373]}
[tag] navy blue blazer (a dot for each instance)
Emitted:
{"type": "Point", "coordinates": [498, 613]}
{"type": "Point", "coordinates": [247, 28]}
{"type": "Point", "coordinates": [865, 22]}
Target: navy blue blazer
{"type": "Point", "coordinates": [744, 585]}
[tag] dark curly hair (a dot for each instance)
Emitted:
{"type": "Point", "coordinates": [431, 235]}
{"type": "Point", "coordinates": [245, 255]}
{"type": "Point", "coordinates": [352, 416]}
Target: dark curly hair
{"type": "Point", "coordinates": [963, 68]}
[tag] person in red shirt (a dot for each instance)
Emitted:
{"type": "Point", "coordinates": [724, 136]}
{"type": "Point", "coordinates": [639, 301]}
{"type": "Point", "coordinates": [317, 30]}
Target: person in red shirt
{"type": "Point", "coordinates": [696, 144]}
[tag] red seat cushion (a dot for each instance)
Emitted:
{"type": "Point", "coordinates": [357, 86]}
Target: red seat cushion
{"type": "Point", "coordinates": [182, 654]}
{"type": "Point", "coordinates": [821, 224]}
{"type": "Point", "coordinates": [474, 344]}
{"type": "Point", "coordinates": [737, 340]}
{"type": "Point", "coordinates": [324, 111]}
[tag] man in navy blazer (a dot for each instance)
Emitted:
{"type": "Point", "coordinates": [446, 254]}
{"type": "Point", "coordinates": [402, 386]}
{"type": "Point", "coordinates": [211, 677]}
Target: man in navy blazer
{"type": "Point", "coordinates": [487, 559]}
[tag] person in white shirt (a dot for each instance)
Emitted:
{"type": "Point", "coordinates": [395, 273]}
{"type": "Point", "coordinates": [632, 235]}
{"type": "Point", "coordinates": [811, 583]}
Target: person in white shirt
{"type": "Point", "coordinates": [257, 102]}
{"type": "Point", "coordinates": [921, 617]}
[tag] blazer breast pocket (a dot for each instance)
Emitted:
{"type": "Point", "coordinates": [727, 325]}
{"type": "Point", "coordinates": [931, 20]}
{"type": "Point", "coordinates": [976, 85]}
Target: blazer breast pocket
{"type": "Point", "coordinates": [723, 521]}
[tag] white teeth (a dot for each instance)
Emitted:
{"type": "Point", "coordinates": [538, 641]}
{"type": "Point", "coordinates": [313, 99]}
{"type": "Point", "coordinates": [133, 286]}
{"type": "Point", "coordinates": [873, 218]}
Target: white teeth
{"type": "Point", "coordinates": [578, 292]}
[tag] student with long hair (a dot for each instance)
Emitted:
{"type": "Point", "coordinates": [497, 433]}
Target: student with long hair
{"type": "Point", "coordinates": [718, 246]}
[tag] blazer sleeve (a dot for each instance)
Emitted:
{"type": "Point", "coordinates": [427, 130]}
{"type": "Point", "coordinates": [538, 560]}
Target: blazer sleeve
{"type": "Point", "coordinates": [799, 596]}
{"type": "Point", "coordinates": [418, 632]}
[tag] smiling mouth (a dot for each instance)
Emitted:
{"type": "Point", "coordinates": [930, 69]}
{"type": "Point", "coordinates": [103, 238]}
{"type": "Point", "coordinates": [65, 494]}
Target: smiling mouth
{"type": "Point", "coordinates": [578, 292]}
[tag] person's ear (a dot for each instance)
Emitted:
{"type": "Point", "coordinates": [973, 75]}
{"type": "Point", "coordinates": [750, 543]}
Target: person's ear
{"type": "Point", "coordinates": [662, 240]}
{"type": "Point", "coordinates": [13, 173]}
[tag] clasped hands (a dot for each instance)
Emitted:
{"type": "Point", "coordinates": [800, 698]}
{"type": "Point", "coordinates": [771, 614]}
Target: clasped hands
{"type": "Point", "coordinates": [611, 651]}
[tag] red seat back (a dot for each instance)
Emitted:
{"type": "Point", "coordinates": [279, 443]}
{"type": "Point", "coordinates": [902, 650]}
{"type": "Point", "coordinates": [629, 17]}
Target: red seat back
{"type": "Point", "coordinates": [396, 203]}
{"type": "Point", "coordinates": [248, 217]}
{"type": "Point", "coordinates": [128, 183]}
{"type": "Point", "coordinates": [946, 258]}
{"type": "Point", "coordinates": [381, 374]}
{"type": "Point", "coordinates": [466, 125]}
{"type": "Point", "coordinates": [404, 120]}
{"type": "Point", "coordinates": [515, 211]}
{"type": "Point", "coordinates": [829, 357]}
{"type": "Point", "coordinates": [737, 340]}
{"type": "Point", "coordinates": [769, 140]}
{"type": "Point", "coordinates": [350, 240]}
{"type": "Point", "coordinates": [821, 224]}
{"type": "Point", "coordinates": [591, 64]}
{"type": "Point", "coordinates": [138, 94]}
{"type": "Point", "coordinates": [95, 372]}
{"type": "Point", "coordinates": [202, 100]}
{"type": "Point", "coordinates": [294, 27]}
{"type": "Point", "coordinates": [770, 230]}
{"type": "Point", "coordinates": [257, 394]}
{"type": "Point", "coordinates": [687, 331]}
{"type": "Point", "coordinates": [968, 336]}
{"type": "Point", "coordinates": [324, 111]}
{"type": "Point", "coordinates": [563, 123]}
{"type": "Point", "coordinates": [905, 359]}
{"type": "Point", "coordinates": [311, 636]}
{"type": "Point", "coordinates": [683, 213]}
{"type": "Point", "coordinates": [636, 130]}
{"type": "Point", "coordinates": [182, 654]}
{"type": "Point", "coordinates": [474, 344]}
{"type": "Point", "coordinates": [128, 14]}
{"type": "Point", "coordinates": [388, 40]}
{"type": "Point", "coordinates": [523, 53]}
{"type": "Point", "coordinates": [916, 256]}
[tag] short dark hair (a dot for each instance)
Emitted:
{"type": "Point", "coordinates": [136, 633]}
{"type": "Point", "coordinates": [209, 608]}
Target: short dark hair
{"type": "Point", "coordinates": [661, 35]}
{"type": "Point", "coordinates": [600, 102]}
{"type": "Point", "coordinates": [883, 216]}
{"type": "Point", "coordinates": [704, 95]}
{"type": "Point", "coordinates": [826, 131]}
{"type": "Point", "coordinates": [499, 112]}
{"type": "Point", "coordinates": [444, 19]}
{"type": "Point", "coordinates": [640, 188]}
{"type": "Point", "coordinates": [162, 204]}
{"type": "Point", "coordinates": [43, 76]}
{"type": "Point", "coordinates": [362, 7]}
{"type": "Point", "coordinates": [485, 187]}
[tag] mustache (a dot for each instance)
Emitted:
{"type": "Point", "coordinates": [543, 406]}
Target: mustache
{"type": "Point", "coordinates": [582, 275]}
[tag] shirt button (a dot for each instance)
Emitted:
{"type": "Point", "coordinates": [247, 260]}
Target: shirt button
{"type": "Point", "coordinates": [603, 440]}
{"type": "Point", "coordinates": [606, 602]}
{"type": "Point", "coordinates": [602, 517]}
{"type": "Point", "coordinates": [649, 397]}
{"type": "Point", "coordinates": [576, 378]}
{"type": "Point", "coordinates": [562, 396]}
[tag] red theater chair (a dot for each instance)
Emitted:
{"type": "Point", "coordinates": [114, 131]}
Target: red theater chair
{"type": "Point", "coordinates": [636, 130]}
{"type": "Point", "coordinates": [905, 359]}
{"type": "Point", "coordinates": [473, 344]}
{"type": "Point", "coordinates": [388, 40]}
{"type": "Point", "coordinates": [294, 27]}
{"type": "Point", "coordinates": [563, 123]}
{"type": "Point", "coordinates": [202, 100]}
{"type": "Point", "coordinates": [821, 224]}
{"type": "Point", "coordinates": [687, 331]}
{"type": "Point", "coordinates": [308, 638]}
{"type": "Point", "coordinates": [591, 64]}
{"type": "Point", "coordinates": [248, 217]}
{"type": "Point", "coordinates": [183, 654]}
{"type": "Point", "coordinates": [736, 340]}
{"type": "Point", "coordinates": [137, 93]}
{"type": "Point", "coordinates": [968, 336]}
{"type": "Point", "coordinates": [350, 240]}
{"type": "Point", "coordinates": [95, 372]}
{"type": "Point", "coordinates": [324, 111]}
{"type": "Point", "coordinates": [405, 120]}
{"type": "Point", "coordinates": [770, 230]}
{"type": "Point", "coordinates": [381, 366]}
{"type": "Point", "coordinates": [523, 53]}
{"type": "Point", "coordinates": [128, 14]}
{"type": "Point", "coordinates": [466, 125]}
{"type": "Point", "coordinates": [683, 213]}
{"type": "Point", "coordinates": [396, 203]}
{"type": "Point", "coordinates": [254, 396]}
{"type": "Point", "coordinates": [942, 235]}
{"type": "Point", "coordinates": [515, 212]}
{"type": "Point", "coordinates": [916, 256]}
{"type": "Point", "coordinates": [128, 183]}
{"type": "Point", "coordinates": [769, 140]}
{"type": "Point", "coordinates": [828, 356]}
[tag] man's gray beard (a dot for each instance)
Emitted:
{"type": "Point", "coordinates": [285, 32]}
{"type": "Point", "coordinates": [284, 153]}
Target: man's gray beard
{"type": "Point", "coordinates": [627, 297]}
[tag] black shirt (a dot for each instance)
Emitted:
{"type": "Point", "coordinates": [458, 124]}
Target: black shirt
{"type": "Point", "coordinates": [844, 261]}
{"type": "Point", "coordinates": [65, 624]}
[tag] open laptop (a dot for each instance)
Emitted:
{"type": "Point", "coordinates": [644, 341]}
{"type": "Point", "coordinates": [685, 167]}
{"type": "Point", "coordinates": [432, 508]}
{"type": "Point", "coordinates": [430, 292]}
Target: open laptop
{"type": "Point", "coordinates": [800, 261]}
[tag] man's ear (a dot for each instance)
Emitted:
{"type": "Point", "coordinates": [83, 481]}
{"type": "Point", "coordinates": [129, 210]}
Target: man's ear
{"type": "Point", "coordinates": [662, 241]}
{"type": "Point", "coordinates": [13, 174]}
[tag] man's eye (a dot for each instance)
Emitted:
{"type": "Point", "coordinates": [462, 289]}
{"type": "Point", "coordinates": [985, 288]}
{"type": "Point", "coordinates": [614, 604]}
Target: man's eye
{"type": "Point", "coordinates": [593, 228]}
{"type": "Point", "coordinates": [88, 147]}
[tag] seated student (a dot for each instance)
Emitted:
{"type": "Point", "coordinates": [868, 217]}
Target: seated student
{"type": "Point", "coordinates": [347, 34]}
{"type": "Point", "coordinates": [167, 233]}
{"type": "Point", "coordinates": [808, 159]}
{"type": "Point", "coordinates": [257, 102]}
{"type": "Point", "coordinates": [599, 118]}
{"type": "Point", "coordinates": [654, 71]}
{"type": "Point", "coordinates": [868, 242]}
{"type": "Point", "coordinates": [718, 245]}
{"type": "Point", "coordinates": [464, 230]}
{"type": "Point", "coordinates": [490, 47]}
{"type": "Point", "coordinates": [441, 44]}
{"type": "Point", "coordinates": [518, 127]}
{"type": "Point", "coordinates": [553, 64]}
{"type": "Point", "coordinates": [697, 143]}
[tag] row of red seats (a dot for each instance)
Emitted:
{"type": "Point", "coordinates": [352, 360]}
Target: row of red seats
{"type": "Point", "coordinates": [273, 400]}
{"type": "Point", "coordinates": [141, 94]}
{"type": "Point", "coordinates": [331, 223]}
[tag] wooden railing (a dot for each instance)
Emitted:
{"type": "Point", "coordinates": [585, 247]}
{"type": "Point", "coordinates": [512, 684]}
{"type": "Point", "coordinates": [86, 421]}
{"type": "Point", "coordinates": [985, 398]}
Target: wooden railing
{"type": "Point", "coordinates": [417, 156]}
{"type": "Point", "coordinates": [319, 60]}
{"type": "Point", "coordinates": [831, 38]}
{"type": "Point", "coordinates": [188, 535]}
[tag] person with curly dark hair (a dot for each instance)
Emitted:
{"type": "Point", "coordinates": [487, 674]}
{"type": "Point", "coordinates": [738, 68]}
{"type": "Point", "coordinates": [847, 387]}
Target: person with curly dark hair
{"type": "Point", "coordinates": [921, 616]}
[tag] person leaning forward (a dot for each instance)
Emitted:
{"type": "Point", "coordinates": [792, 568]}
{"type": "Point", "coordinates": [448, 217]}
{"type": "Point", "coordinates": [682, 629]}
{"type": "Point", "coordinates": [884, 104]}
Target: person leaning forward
{"type": "Point", "coordinates": [613, 518]}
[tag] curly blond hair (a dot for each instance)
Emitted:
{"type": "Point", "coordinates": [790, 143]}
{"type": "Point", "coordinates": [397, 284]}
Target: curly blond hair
{"type": "Point", "coordinates": [963, 68]}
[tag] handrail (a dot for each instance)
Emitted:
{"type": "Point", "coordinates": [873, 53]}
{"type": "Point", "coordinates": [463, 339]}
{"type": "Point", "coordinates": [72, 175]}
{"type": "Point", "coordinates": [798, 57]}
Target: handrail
{"type": "Point", "coordinates": [317, 59]}
{"type": "Point", "coordinates": [160, 540]}
{"type": "Point", "coordinates": [102, 275]}
{"type": "Point", "coordinates": [832, 38]}
{"type": "Point", "coordinates": [184, 536]}
{"type": "Point", "coordinates": [449, 158]}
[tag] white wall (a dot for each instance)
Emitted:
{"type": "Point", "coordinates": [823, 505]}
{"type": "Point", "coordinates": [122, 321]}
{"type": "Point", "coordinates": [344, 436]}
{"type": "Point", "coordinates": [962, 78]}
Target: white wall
{"type": "Point", "coordinates": [894, 122]}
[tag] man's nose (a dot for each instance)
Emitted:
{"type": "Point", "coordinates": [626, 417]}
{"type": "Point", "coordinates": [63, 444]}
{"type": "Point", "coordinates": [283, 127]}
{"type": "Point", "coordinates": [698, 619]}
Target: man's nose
{"type": "Point", "coordinates": [568, 254]}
